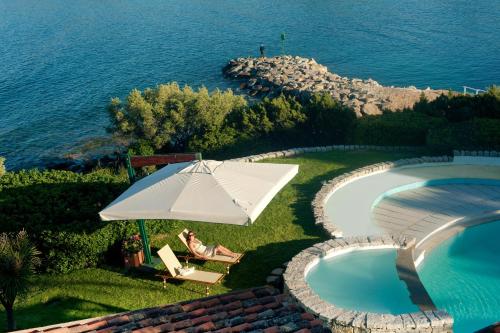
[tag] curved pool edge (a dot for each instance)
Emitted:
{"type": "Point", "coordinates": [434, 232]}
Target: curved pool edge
{"type": "Point", "coordinates": [440, 235]}
{"type": "Point", "coordinates": [343, 320]}
{"type": "Point", "coordinates": [330, 187]}
{"type": "Point", "coordinates": [486, 158]}
{"type": "Point", "coordinates": [435, 182]}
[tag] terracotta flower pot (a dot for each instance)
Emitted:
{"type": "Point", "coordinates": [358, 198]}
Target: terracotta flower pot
{"type": "Point", "coordinates": [134, 259]}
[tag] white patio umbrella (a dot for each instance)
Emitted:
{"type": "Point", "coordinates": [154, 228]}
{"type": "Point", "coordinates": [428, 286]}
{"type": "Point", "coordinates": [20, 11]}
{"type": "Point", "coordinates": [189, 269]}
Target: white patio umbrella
{"type": "Point", "coordinates": [210, 191]}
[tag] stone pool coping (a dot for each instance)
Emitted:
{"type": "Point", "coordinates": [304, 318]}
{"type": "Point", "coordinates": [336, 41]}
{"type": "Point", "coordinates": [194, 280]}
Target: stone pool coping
{"type": "Point", "coordinates": [358, 321]}
{"type": "Point", "coordinates": [303, 150]}
{"type": "Point", "coordinates": [343, 320]}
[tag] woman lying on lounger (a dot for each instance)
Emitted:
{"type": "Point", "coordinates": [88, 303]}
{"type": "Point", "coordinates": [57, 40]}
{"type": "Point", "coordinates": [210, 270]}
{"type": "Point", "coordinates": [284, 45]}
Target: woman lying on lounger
{"type": "Point", "coordinates": [206, 251]}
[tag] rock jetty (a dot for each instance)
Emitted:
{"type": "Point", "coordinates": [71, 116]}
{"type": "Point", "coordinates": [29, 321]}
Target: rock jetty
{"type": "Point", "coordinates": [302, 76]}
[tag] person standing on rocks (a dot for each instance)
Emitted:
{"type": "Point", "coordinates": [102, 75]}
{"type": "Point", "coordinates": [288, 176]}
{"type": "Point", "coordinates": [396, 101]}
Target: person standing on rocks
{"type": "Point", "coordinates": [262, 49]}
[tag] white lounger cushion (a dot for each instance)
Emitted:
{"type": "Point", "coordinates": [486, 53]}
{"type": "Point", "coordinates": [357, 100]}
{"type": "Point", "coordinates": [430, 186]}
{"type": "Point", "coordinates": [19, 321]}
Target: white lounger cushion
{"type": "Point", "coordinates": [172, 263]}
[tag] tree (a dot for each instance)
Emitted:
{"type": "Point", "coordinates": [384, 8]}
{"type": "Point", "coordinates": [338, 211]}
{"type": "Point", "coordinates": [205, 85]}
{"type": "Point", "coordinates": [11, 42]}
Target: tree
{"type": "Point", "coordinates": [328, 120]}
{"type": "Point", "coordinates": [168, 117]}
{"type": "Point", "coordinates": [18, 261]}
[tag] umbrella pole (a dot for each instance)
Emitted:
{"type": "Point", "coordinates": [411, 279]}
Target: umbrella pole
{"type": "Point", "coordinates": [145, 241]}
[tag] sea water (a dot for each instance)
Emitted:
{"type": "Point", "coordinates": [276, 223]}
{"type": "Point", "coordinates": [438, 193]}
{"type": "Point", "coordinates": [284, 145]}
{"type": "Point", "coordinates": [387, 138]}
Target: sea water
{"type": "Point", "coordinates": [62, 61]}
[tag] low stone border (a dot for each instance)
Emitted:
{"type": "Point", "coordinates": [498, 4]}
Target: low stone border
{"type": "Point", "coordinates": [298, 151]}
{"type": "Point", "coordinates": [318, 204]}
{"type": "Point", "coordinates": [483, 153]}
{"type": "Point", "coordinates": [351, 321]}
{"type": "Point", "coordinates": [275, 278]}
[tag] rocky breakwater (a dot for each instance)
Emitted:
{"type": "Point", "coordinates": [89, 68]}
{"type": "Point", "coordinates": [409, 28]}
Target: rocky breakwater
{"type": "Point", "coordinates": [302, 76]}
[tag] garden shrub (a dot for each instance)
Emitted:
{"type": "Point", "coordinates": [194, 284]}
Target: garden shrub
{"type": "Point", "coordinates": [169, 117]}
{"type": "Point", "coordinates": [476, 134]}
{"type": "Point", "coordinates": [405, 128]}
{"type": "Point", "coordinates": [328, 121]}
{"type": "Point", "coordinates": [457, 108]}
{"type": "Point", "coordinates": [219, 124]}
{"type": "Point", "coordinates": [59, 209]}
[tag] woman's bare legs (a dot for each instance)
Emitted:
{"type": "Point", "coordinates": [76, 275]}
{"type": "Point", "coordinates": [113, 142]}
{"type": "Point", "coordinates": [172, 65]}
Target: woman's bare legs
{"type": "Point", "coordinates": [219, 249]}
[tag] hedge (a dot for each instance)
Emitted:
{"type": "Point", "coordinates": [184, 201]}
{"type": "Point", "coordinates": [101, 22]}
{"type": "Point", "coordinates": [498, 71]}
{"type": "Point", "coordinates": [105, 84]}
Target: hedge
{"type": "Point", "coordinates": [59, 209]}
{"type": "Point", "coordinates": [406, 128]}
{"type": "Point", "coordinates": [476, 134]}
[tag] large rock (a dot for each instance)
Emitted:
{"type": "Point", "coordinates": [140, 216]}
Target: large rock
{"type": "Point", "coordinates": [301, 77]}
{"type": "Point", "coordinates": [371, 109]}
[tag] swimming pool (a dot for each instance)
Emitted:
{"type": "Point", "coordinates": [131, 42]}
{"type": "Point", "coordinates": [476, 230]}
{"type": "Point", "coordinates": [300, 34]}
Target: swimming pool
{"type": "Point", "coordinates": [433, 203]}
{"type": "Point", "coordinates": [462, 275]}
{"type": "Point", "coordinates": [362, 280]}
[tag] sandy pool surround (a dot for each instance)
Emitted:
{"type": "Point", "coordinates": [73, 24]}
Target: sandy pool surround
{"type": "Point", "coordinates": [343, 320]}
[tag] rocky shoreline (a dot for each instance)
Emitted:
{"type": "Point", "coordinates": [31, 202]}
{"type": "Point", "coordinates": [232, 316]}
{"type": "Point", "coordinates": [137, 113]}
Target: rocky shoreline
{"type": "Point", "coordinates": [302, 76]}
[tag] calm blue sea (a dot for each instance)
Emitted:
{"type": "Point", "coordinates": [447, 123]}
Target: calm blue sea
{"type": "Point", "coordinates": [61, 61]}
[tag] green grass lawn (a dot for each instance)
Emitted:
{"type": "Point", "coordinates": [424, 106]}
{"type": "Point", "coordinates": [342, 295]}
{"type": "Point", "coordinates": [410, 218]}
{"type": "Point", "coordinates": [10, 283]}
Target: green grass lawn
{"type": "Point", "coordinates": [284, 228]}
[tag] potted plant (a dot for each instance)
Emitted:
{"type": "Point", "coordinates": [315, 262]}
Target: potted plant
{"type": "Point", "coordinates": [133, 253]}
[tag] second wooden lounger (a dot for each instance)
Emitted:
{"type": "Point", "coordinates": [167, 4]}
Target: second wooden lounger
{"type": "Point", "coordinates": [174, 266]}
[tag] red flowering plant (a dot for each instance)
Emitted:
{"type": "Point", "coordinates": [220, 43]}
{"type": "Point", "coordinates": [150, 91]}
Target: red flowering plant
{"type": "Point", "coordinates": [133, 244]}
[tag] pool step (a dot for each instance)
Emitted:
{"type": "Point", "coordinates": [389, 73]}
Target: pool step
{"type": "Point", "coordinates": [408, 273]}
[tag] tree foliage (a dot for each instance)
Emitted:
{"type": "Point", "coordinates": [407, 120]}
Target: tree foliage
{"type": "Point", "coordinates": [328, 121]}
{"type": "Point", "coordinates": [59, 209]}
{"type": "Point", "coordinates": [18, 261]}
{"type": "Point", "coordinates": [168, 118]}
{"type": "Point", "coordinates": [173, 119]}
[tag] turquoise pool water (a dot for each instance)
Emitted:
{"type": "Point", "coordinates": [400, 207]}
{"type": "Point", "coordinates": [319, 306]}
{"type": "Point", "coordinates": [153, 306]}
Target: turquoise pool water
{"type": "Point", "coordinates": [362, 280]}
{"type": "Point", "coordinates": [462, 275]}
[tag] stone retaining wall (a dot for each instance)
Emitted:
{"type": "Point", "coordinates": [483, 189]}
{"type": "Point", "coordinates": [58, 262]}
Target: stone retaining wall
{"type": "Point", "coordinates": [482, 153]}
{"type": "Point", "coordinates": [351, 321]}
{"type": "Point", "coordinates": [298, 151]}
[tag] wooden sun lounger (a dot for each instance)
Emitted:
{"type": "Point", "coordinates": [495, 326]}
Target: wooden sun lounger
{"type": "Point", "coordinates": [229, 261]}
{"type": "Point", "coordinates": [172, 263]}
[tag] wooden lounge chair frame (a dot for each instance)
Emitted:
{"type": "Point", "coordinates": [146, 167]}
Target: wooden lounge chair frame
{"type": "Point", "coordinates": [172, 264]}
{"type": "Point", "coordinates": [228, 261]}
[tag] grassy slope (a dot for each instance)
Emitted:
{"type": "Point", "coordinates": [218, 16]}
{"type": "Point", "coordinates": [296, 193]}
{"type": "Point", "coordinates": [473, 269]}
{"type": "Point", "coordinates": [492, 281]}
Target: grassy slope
{"type": "Point", "coordinates": [284, 228]}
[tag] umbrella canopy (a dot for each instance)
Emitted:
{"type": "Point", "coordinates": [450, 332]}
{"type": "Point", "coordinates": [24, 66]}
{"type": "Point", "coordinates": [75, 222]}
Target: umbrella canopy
{"type": "Point", "coordinates": [211, 191]}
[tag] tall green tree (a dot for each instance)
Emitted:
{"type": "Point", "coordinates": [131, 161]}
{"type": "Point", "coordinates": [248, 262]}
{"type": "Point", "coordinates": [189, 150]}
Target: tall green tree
{"type": "Point", "coordinates": [328, 120]}
{"type": "Point", "coordinates": [168, 117]}
{"type": "Point", "coordinates": [18, 262]}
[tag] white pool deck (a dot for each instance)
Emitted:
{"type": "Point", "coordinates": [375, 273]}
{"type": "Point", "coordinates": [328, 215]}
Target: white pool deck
{"type": "Point", "coordinates": [395, 202]}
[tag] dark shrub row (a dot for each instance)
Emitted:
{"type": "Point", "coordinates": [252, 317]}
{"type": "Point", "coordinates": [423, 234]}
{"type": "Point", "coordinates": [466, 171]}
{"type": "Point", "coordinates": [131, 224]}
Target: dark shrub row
{"type": "Point", "coordinates": [59, 210]}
